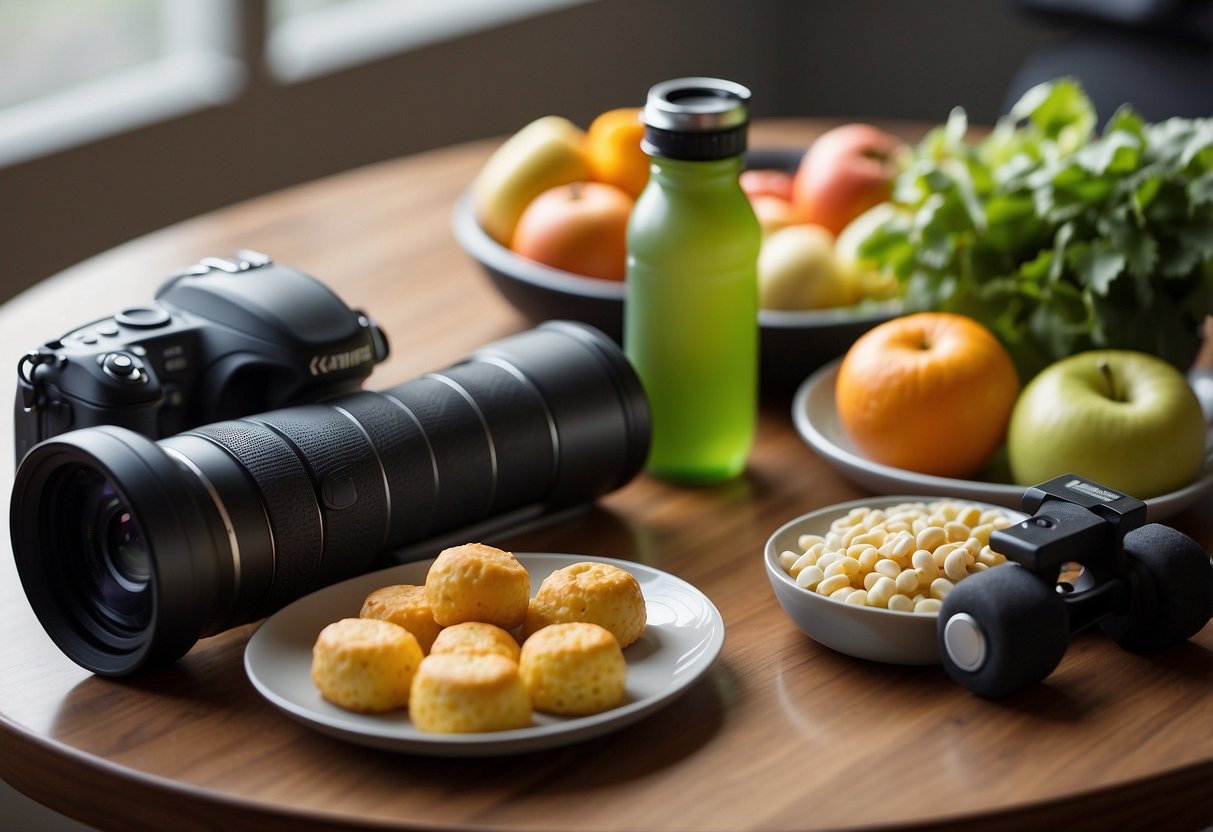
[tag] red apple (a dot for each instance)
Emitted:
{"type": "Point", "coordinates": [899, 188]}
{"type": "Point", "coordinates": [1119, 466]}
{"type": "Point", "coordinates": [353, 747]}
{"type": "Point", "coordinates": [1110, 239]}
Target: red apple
{"type": "Point", "coordinates": [579, 228]}
{"type": "Point", "coordinates": [773, 212]}
{"type": "Point", "coordinates": [844, 172]}
{"type": "Point", "coordinates": [763, 182]}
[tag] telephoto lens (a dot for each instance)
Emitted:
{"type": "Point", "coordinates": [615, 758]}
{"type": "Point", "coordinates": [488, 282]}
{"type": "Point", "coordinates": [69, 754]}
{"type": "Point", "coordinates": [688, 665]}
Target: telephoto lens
{"type": "Point", "coordinates": [130, 550]}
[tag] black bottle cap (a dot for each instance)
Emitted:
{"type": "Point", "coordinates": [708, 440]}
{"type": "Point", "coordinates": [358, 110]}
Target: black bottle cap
{"type": "Point", "coordinates": [696, 119]}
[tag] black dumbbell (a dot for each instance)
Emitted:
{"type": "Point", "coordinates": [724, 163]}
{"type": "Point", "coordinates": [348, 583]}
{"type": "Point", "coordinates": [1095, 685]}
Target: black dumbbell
{"type": "Point", "coordinates": [1146, 585]}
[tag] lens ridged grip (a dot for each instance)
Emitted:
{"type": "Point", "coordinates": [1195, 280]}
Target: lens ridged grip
{"type": "Point", "coordinates": [339, 456]}
{"type": "Point", "coordinates": [290, 502]}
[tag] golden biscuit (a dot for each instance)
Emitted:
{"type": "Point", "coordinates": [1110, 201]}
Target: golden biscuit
{"type": "Point", "coordinates": [474, 637]}
{"type": "Point", "coordinates": [458, 693]}
{"type": "Point", "coordinates": [475, 582]}
{"type": "Point", "coordinates": [404, 605]}
{"type": "Point", "coordinates": [573, 669]}
{"type": "Point", "coordinates": [365, 665]}
{"type": "Point", "coordinates": [595, 593]}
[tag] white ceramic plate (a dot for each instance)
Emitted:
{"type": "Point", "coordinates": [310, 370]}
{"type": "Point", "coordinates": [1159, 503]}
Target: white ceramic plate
{"type": "Point", "coordinates": [682, 639]}
{"type": "Point", "coordinates": [816, 420]}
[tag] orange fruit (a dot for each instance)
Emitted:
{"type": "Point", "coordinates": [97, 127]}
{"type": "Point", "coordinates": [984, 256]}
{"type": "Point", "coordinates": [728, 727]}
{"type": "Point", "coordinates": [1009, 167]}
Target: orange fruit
{"type": "Point", "coordinates": [580, 228]}
{"type": "Point", "coordinates": [612, 145]}
{"type": "Point", "coordinates": [930, 392]}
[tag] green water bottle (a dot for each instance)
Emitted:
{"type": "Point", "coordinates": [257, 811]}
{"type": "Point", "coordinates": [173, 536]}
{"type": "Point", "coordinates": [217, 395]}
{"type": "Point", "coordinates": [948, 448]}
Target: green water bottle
{"type": "Point", "coordinates": [691, 312]}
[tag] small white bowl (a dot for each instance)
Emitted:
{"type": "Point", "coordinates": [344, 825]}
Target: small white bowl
{"type": "Point", "coordinates": [872, 633]}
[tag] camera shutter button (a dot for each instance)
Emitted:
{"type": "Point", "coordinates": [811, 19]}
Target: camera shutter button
{"type": "Point", "coordinates": [124, 367]}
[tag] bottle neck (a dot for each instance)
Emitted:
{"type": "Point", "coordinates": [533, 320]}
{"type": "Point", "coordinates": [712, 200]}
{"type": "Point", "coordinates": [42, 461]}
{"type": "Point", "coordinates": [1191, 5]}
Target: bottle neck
{"type": "Point", "coordinates": [686, 173]}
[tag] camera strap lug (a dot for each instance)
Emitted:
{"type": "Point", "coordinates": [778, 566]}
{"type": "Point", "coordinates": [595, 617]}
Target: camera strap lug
{"type": "Point", "coordinates": [31, 390]}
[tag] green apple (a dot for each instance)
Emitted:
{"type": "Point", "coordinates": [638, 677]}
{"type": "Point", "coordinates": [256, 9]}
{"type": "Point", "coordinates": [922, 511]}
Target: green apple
{"type": "Point", "coordinates": [797, 269]}
{"type": "Point", "coordinates": [1125, 419]}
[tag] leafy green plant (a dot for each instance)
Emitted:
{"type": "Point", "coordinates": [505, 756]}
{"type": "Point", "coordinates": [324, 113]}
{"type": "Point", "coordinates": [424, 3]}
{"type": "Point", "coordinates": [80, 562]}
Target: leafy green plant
{"type": "Point", "coordinates": [1055, 238]}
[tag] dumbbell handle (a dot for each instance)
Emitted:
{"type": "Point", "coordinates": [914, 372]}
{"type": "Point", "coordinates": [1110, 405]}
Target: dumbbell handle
{"type": "Point", "coordinates": [1086, 607]}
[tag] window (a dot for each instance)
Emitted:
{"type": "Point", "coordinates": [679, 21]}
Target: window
{"type": "Point", "coordinates": [315, 37]}
{"type": "Point", "coordinates": [76, 70]}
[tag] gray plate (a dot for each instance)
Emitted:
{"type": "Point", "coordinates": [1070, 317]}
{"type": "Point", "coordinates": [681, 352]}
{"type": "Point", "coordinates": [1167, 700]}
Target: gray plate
{"type": "Point", "coordinates": [816, 419]}
{"type": "Point", "coordinates": [682, 639]}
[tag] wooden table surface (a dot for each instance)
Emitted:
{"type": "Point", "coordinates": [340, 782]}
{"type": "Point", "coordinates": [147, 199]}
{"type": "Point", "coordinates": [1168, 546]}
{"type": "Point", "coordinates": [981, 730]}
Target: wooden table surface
{"type": "Point", "coordinates": [780, 734]}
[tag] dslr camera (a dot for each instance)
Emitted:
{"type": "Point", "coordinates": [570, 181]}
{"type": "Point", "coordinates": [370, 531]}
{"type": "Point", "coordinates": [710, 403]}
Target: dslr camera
{"type": "Point", "coordinates": [224, 338]}
{"type": "Point", "coordinates": [198, 463]}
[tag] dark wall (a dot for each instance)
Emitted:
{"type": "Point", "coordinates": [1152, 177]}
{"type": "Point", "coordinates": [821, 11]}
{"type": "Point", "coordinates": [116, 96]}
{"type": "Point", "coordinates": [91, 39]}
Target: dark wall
{"type": "Point", "coordinates": [854, 59]}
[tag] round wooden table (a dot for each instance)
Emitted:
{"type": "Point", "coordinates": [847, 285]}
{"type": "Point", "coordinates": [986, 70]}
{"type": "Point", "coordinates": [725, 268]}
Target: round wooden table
{"type": "Point", "coordinates": [780, 734]}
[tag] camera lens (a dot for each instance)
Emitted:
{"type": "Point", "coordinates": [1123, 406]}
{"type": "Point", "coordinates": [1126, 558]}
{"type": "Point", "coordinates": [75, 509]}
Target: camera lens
{"type": "Point", "coordinates": [116, 564]}
{"type": "Point", "coordinates": [105, 565]}
{"type": "Point", "coordinates": [130, 550]}
{"type": "Point", "coordinates": [125, 553]}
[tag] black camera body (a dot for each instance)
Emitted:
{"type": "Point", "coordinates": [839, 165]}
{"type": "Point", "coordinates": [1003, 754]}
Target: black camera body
{"type": "Point", "coordinates": [1086, 556]}
{"type": "Point", "coordinates": [132, 544]}
{"type": "Point", "coordinates": [224, 338]}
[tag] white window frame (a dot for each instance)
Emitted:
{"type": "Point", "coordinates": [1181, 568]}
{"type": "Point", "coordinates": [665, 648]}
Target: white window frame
{"type": "Point", "coordinates": [332, 38]}
{"type": "Point", "coordinates": [200, 67]}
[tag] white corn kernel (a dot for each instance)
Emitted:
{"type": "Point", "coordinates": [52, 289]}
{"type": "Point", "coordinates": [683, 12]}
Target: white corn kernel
{"type": "Point", "coordinates": [829, 585]}
{"type": "Point", "coordinates": [848, 537]}
{"type": "Point", "coordinates": [931, 538]}
{"type": "Point", "coordinates": [838, 567]}
{"type": "Point", "coordinates": [982, 532]}
{"type": "Point", "coordinates": [829, 557]}
{"type": "Point", "coordinates": [956, 531]}
{"type": "Point", "coordinates": [907, 582]}
{"type": "Point", "coordinates": [941, 553]}
{"type": "Point", "coordinates": [806, 540]}
{"type": "Point", "coordinates": [800, 563]}
{"type": "Point", "coordinates": [874, 517]}
{"type": "Point", "coordinates": [887, 567]}
{"type": "Point", "coordinates": [810, 577]}
{"type": "Point", "coordinates": [940, 587]}
{"type": "Point", "coordinates": [924, 562]}
{"type": "Point", "coordinates": [868, 558]}
{"type": "Point", "coordinates": [956, 566]}
{"type": "Point", "coordinates": [857, 597]}
{"type": "Point", "coordinates": [880, 593]}
{"type": "Point", "coordinates": [786, 560]}
{"type": "Point", "coordinates": [901, 603]}
{"type": "Point", "coordinates": [928, 605]}
{"type": "Point", "coordinates": [969, 515]}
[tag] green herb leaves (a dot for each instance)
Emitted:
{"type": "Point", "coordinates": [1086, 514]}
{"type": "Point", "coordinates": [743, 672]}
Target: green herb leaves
{"type": "Point", "coordinates": [1057, 239]}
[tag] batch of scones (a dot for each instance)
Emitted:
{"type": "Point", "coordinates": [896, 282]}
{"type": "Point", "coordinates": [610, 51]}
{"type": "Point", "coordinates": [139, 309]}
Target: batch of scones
{"type": "Point", "coordinates": [447, 650]}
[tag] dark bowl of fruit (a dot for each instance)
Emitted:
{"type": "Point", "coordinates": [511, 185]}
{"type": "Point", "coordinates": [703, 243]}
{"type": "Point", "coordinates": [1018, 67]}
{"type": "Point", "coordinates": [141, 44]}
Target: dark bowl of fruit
{"type": "Point", "coordinates": [793, 342]}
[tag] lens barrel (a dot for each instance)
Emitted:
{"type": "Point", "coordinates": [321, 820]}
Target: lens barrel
{"type": "Point", "coordinates": [130, 550]}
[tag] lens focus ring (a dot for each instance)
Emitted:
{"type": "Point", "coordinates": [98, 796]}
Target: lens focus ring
{"type": "Point", "coordinates": [290, 502]}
